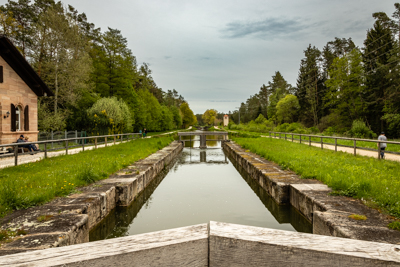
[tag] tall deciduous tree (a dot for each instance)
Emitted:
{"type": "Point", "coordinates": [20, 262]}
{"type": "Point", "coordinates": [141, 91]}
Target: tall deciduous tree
{"type": "Point", "coordinates": [188, 118]}
{"type": "Point", "coordinates": [209, 116]}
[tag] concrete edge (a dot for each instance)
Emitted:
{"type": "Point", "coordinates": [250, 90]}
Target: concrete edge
{"type": "Point", "coordinates": [215, 244]}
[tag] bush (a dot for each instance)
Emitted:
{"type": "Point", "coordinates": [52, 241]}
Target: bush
{"type": "Point", "coordinates": [360, 130]}
{"type": "Point", "coordinates": [260, 119]}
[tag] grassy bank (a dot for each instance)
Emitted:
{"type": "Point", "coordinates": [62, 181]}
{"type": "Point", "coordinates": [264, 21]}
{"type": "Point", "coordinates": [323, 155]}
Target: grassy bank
{"type": "Point", "coordinates": [326, 140]}
{"type": "Point", "coordinates": [377, 182]}
{"type": "Point", "coordinates": [36, 183]}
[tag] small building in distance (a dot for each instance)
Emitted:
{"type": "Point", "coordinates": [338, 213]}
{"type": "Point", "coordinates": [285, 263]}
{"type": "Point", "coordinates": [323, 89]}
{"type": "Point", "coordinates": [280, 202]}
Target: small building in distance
{"type": "Point", "coordinates": [226, 120]}
{"type": "Point", "coordinates": [20, 87]}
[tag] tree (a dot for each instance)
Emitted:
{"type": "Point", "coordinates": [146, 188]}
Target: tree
{"type": "Point", "coordinates": [376, 58]}
{"type": "Point", "coordinates": [346, 85]}
{"type": "Point", "coordinates": [209, 116]}
{"type": "Point", "coordinates": [188, 118]}
{"type": "Point", "coordinates": [310, 89]}
{"type": "Point", "coordinates": [287, 108]}
{"type": "Point", "coordinates": [110, 116]}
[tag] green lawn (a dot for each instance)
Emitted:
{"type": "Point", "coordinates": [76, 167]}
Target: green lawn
{"type": "Point", "coordinates": [305, 140]}
{"type": "Point", "coordinates": [376, 181]}
{"type": "Point", "coordinates": [36, 183]}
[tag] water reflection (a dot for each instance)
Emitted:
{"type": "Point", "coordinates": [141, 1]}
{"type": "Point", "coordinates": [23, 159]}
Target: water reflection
{"type": "Point", "coordinates": [201, 186]}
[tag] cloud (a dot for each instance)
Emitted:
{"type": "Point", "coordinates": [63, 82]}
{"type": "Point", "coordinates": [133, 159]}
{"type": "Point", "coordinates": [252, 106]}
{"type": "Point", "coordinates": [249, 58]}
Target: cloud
{"type": "Point", "coordinates": [167, 57]}
{"type": "Point", "coordinates": [268, 28]}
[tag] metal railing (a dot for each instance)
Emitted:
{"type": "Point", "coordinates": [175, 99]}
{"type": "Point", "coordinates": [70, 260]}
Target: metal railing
{"type": "Point", "coordinates": [88, 141]}
{"type": "Point", "coordinates": [308, 137]}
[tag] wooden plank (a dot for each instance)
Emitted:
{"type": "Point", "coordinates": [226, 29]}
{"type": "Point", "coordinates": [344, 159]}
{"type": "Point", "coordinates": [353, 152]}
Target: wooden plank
{"type": "Point", "coordinates": [186, 246]}
{"type": "Point", "coordinates": [255, 246]}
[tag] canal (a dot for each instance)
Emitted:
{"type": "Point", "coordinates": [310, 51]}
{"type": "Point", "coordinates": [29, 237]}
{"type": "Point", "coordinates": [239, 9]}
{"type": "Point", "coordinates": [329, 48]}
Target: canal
{"type": "Point", "coordinates": [201, 185]}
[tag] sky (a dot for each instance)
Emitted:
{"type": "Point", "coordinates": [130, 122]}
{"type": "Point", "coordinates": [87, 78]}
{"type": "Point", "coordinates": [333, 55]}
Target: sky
{"type": "Point", "coordinates": [216, 53]}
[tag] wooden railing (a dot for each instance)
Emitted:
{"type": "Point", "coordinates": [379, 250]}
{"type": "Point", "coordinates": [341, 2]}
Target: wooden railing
{"type": "Point", "coordinates": [114, 137]}
{"type": "Point", "coordinates": [307, 138]}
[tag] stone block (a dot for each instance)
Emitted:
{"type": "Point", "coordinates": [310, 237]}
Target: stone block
{"type": "Point", "coordinates": [302, 197]}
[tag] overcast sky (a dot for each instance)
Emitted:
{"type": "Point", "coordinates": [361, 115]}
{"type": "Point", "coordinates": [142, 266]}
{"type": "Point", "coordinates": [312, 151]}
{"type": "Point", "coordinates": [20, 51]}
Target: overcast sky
{"type": "Point", "coordinates": [217, 53]}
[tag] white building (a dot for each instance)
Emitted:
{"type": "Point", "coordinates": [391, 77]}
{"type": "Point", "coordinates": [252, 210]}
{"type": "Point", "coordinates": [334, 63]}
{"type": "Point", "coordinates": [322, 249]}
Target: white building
{"type": "Point", "coordinates": [226, 120]}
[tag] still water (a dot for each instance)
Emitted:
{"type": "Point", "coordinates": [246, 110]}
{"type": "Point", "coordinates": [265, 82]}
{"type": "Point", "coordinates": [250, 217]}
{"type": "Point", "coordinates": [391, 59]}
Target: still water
{"type": "Point", "coordinates": [201, 185]}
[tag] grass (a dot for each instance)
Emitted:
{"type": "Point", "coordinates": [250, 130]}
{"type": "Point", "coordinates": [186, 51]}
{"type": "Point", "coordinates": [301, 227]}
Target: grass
{"type": "Point", "coordinates": [358, 217]}
{"type": "Point", "coordinates": [375, 181]}
{"type": "Point", "coordinates": [395, 225]}
{"type": "Point", "coordinates": [305, 140]}
{"type": "Point", "coordinates": [36, 183]}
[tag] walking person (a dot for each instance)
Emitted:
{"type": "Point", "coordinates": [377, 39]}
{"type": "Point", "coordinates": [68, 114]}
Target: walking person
{"type": "Point", "coordinates": [144, 132]}
{"type": "Point", "coordinates": [382, 137]}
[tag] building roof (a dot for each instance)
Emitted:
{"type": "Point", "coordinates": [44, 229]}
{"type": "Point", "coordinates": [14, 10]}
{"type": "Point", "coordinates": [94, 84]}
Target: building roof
{"type": "Point", "coordinates": [19, 64]}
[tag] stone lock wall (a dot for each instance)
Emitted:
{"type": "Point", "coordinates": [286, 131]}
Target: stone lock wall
{"type": "Point", "coordinates": [71, 218]}
{"type": "Point", "coordinates": [328, 214]}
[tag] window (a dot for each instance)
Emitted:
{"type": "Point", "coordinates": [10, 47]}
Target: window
{"type": "Point", "coordinates": [18, 118]}
{"type": "Point", "coordinates": [1, 74]}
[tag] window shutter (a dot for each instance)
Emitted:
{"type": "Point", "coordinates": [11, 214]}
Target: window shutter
{"type": "Point", "coordinates": [26, 118]}
{"type": "Point", "coordinates": [13, 118]}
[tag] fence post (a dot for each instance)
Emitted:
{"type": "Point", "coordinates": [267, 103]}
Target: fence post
{"type": "Point", "coordinates": [83, 145]}
{"type": "Point", "coordinates": [114, 139]}
{"type": "Point", "coordinates": [322, 144]}
{"type": "Point", "coordinates": [76, 136]}
{"type": "Point", "coordinates": [269, 134]}
{"type": "Point", "coordinates": [355, 147]}
{"type": "Point", "coordinates": [66, 147]}
{"type": "Point", "coordinates": [95, 143]}
{"type": "Point", "coordinates": [66, 134]}
{"type": "Point", "coordinates": [300, 138]}
{"type": "Point", "coordinates": [379, 150]}
{"type": "Point", "coordinates": [285, 136]}
{"type": "Point", "coordinates": [309, 140]}
{"type": "Point", "coordinates": [52, 138]}
{"type": "Point", "coordinates": [16, 155]}
{"type": "Point", "coordinates": [45, 150]}
{"type": "Point", "coordinates": [292, 137]}
{"type": "Point", "coordinates": [335, 144]}
{"type": "Point", "coordinates": [105, 141]}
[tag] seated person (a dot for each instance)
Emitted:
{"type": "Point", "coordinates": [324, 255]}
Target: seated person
{"type": "Point", "coordinates": [33, 146]}
{"type": "Point", "coordinates": [30, 147]}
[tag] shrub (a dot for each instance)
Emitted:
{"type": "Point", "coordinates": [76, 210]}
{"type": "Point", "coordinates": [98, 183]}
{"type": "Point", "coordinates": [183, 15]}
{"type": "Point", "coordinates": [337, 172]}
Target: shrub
{"type": "Point", "coordinates": [260, 119]}
{"type": "Point", "coordinates": [360, 130]}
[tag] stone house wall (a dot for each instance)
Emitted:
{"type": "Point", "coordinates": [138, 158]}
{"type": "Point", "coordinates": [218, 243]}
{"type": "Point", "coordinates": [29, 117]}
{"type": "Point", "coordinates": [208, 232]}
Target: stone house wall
{"type": "Point", "coordinates": [15, 91]}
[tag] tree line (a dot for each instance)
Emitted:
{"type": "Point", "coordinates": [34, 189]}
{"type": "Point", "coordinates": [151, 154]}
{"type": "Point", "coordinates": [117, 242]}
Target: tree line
{"type": "Point", "coordinates": [338, 87]}
{"type": "Point", "coordinates": [97, 83]}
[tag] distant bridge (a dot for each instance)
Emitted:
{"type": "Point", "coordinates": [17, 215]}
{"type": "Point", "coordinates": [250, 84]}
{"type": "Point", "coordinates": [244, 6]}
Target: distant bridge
{"type": "Point", "coordinates": [203, 137]}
